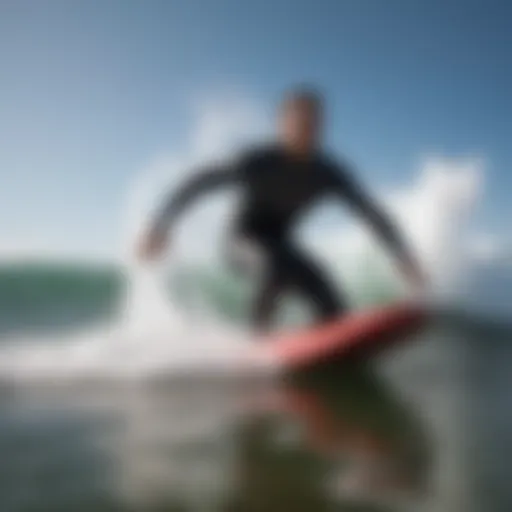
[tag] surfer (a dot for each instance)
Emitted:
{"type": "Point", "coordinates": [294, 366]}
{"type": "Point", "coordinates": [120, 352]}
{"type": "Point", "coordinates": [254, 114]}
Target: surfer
{"type": "Point", "coordinates": [278, 183]}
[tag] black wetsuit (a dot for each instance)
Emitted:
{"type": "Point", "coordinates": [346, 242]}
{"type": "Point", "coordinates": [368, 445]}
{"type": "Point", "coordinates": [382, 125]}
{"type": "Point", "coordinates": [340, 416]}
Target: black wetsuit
{"type": "Point", "coordinates": [276, 190]}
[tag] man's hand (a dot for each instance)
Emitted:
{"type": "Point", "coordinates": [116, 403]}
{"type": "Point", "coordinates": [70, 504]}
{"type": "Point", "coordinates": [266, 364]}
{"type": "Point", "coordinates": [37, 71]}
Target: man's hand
{"type": "Point", "coordinates": [151, 246]}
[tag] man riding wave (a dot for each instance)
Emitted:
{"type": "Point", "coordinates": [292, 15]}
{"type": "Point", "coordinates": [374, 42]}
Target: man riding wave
{"type": "Point", "coordinates": [278, 183]}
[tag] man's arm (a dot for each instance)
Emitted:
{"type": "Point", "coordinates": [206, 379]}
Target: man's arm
{"type": "Point", "coordinates": [206, 180]}
{"type": "Point", "coordinates": [351, 192]}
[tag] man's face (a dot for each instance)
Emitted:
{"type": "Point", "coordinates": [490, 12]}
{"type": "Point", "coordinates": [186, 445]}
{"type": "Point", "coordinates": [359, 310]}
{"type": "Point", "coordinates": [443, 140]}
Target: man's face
{"type": "Point", "coordinates": [300, 126]}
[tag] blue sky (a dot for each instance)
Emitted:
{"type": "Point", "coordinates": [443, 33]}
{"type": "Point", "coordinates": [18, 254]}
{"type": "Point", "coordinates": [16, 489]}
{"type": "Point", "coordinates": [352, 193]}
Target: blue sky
{"type": "Point", "coordinates": [91, 90]}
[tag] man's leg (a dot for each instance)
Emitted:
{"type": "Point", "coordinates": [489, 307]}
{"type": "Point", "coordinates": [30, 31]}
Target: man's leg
{"type": "Point", "coordinates": [265, 303]}
{"type": "Point", "coordinates": [306, 278]}
{"type": "Point", "coordinates": [284, 268]}
{"type": "Point", "coordinates": [258, 259]}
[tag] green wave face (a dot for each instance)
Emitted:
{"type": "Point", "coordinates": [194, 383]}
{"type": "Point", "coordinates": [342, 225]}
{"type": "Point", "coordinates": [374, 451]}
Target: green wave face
{"type": "Point", "coordinates": [53, 295]}
{"type": "Point", "coordinates": [39, 296]}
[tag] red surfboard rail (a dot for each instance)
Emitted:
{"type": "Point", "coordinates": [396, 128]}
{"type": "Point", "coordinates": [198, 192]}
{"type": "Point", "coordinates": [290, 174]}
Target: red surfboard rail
{"type": "Point", "coordinates": [370, 329]}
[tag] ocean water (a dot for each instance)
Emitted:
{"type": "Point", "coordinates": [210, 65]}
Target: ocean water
{"type": "Point", "coordinates": [89, 424]}
{"type": "Point", "coordinates": [134, 390]}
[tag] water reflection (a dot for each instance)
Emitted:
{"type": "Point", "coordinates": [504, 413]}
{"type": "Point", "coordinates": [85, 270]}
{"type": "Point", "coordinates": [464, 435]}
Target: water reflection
{"type": "Point", "coordinates": [305, 444]}
{"type": "Point", "coordinates": [316, 445]}
{"type": "Point", "coordinates": [429, 431]}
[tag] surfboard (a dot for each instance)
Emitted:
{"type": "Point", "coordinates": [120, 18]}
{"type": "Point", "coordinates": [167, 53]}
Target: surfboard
{"type": "Point", "coordinates": [360, 333]}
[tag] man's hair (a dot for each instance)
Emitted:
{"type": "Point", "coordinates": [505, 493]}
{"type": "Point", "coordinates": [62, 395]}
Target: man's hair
{"type": "Point", "coordinates": [305, 95]}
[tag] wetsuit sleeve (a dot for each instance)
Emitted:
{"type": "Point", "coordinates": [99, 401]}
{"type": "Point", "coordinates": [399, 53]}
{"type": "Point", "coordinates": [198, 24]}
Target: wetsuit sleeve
{"type": "Point", "coordinates": [351, 192]}
{"type": "Point", "coordinates": [205, 180]}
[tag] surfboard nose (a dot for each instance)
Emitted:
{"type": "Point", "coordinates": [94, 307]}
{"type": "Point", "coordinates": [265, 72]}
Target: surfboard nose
{"type": "Point", "coordinates": [365, 331]}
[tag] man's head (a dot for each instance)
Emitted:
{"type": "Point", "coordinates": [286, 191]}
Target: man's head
{"type": "Point", "coordinates": [300, 119]}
